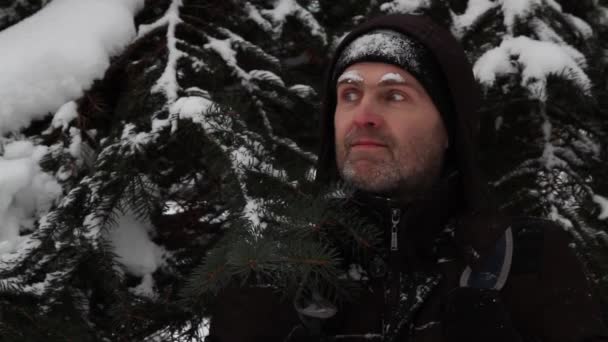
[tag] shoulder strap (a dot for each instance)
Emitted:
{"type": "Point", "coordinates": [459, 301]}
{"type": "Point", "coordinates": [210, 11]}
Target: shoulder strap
{"type": "Point", "coordinates": [492, 273]}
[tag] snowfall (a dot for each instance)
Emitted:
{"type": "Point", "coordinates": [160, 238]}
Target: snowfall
{"type": "Point", "coordinates": [45, 67]}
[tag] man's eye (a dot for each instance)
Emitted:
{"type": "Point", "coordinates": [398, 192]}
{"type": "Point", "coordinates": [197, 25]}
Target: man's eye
{"type": "Point", "coordinates": [395, 96]}
{"type": "Point", "coordinates": [350, 95]}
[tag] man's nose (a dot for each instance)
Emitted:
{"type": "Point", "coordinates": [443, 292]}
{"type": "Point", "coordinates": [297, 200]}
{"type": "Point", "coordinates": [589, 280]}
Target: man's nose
{"type": "Point", "coordinates": [367, 115]}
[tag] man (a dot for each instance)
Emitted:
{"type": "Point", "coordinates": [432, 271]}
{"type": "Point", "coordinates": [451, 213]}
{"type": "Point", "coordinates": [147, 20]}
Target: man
{"type": "Point", "coordinates": [400, 124]}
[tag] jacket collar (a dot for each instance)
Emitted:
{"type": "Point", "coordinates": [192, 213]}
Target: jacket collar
{"type": "Point", "coordinates": [423, 221]}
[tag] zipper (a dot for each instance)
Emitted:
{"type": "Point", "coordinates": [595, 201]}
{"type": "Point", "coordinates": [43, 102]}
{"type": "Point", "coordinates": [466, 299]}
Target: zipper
{"type": "Point", "coordinates": [392, 280]}
{"type": "Point", "coordinates": [395, 218]}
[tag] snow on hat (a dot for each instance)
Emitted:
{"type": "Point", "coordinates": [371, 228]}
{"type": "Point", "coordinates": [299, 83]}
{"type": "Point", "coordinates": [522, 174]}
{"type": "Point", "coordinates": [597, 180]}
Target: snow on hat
{"type": "Point", "coordinates": [392, 47]}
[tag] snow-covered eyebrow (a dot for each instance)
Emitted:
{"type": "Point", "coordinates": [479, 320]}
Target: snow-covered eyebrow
{"type": "Point", "coordinates": [391, 78]}
{"type": "Point", "coordinates": [350, 77]}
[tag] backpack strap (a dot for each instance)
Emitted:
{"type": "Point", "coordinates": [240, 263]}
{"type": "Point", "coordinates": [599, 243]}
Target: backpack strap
{"type": "Point", "coordinates": [491, 273]}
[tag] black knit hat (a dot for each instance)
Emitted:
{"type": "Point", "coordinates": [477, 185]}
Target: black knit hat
{"type": "Point", "coordinates": [391, 47]}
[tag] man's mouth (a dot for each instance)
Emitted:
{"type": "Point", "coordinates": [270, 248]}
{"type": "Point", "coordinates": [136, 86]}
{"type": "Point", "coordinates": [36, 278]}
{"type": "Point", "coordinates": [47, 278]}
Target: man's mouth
{"type": "Point", "coordinates": [370, 143]}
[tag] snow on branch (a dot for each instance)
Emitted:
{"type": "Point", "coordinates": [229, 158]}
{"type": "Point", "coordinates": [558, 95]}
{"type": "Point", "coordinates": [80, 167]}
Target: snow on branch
{"type": "Point", "coordinates": [535, 60]}
{"type": "Point", "coordinates": [580, 25]}
{"type": "Point", "coordinates": [603, 15]}
{"type": "Point", "coordinates": [405, 6]}
{"type": "Point", "coordinates": [223, 47]}
{"type": "Point", "coordinates": [10, 13]}
{"type": "Point", "coordinates": [134, 141]}
{"type": "Point", "coordinates": [257, 17]}
{"type": "Point", "coordinates": [514, 10]}
{"type": "Point", "coordinates": [64, 115]}
{"type": "Point", "coordinates": [248, 156]}
{"type": "Point", "coordinates": [25, 192]}
{"type": "Point", "coordinates": [247, 45]}
{"type": "Point", "coordinates": [553, 156]}
{"type": "Point", "coordinates": [476, 9]}
{"type": "Point", "coordinates": [290, 8]}
{"type": "Point", "coordinates": [23, 246]}
{"type": "Point", "coordinates": [603, 203]}
{"type": "Point", "coordinates": [167, 83]}
{"type": "Point", "coordinates": [41, 287]}
{"type": "Point", "coordinates": [545, 33]}
{"type": "Point", "coordinates": [267, 76]}
{"type": "Point", "coordinates": [53, 56]}
{"type": "Point", "coordinates": [136, 251]}
{"type": "Point", "coordinates": [517, 9]}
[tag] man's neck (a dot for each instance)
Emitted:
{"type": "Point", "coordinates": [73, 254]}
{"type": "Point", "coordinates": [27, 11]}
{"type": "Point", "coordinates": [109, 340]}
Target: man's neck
{"type": "Point", "coordinates": [405, 196]}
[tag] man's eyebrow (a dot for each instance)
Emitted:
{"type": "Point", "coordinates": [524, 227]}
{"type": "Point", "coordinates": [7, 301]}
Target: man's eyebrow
{"type": "Point", "coordinates": [392, 82]}
{"type": "Point", "coordinates": [387, 82]}
{"type": "Point", "coordinates": [349, 80]}
{"type": "Point", "coordinates": [392, 78]}
{"type": "Point", "coordinates": [350, 77]}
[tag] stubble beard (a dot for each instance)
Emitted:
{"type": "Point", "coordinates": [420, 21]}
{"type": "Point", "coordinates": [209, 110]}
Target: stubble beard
{"type": "Point", "coordinates": [409, 171]}
{"type": "Point", "coordinates": [379, 177]}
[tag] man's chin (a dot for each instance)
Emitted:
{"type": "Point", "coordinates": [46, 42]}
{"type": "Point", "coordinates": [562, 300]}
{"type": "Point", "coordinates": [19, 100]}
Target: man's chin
{"type": "Point", "coordinates": [360, 170]}
{"type": "Point", "coordinates": [367, 164]}
{"type": "Point", "coordinates": [369, 178]}
{"type": "Point", "coordinates": [370, 185]}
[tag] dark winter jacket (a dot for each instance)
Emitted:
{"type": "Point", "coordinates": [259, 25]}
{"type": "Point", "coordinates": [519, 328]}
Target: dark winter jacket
{"type": "Point", "coordinates": [442, 283]}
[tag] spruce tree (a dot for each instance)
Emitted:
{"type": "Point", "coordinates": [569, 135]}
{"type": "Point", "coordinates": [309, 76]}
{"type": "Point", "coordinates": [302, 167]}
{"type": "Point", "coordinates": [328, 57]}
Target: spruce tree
{"type": "Point", "coordinates": [13, 11]}
{"type": "Point", "coordinates": [198, 148]}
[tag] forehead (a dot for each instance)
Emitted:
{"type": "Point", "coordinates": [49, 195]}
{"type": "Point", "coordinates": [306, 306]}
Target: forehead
{"type": "Point", "coordinates": [373, 71]}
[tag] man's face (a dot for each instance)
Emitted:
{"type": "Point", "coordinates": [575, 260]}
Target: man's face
{"type": "Point", "coordinates": [389, 134]}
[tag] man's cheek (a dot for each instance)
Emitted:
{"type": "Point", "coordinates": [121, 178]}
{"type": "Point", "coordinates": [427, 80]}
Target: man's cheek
{"type": "Point", "coordinates": [339, 142]}
{"type": "Point", "coordinates": [340, 155]}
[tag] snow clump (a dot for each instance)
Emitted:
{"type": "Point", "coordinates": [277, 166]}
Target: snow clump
{"type": "Point", "coordinates": [26, 192]}
{"type": "Point", "coordinates": [405, 6]}
{"type": "Point", "coordinates": [51, 57]}
{"type": "Point", "coordinates": [603, 203]}
{"type": "Point", "coordinates": [475, 10]}
{"type": "Point", "coordinates": [290, 8]}
{"type": "Point", "coordinates": [140, 256]}
{"type": "Point", "coordinates": [536, 59]}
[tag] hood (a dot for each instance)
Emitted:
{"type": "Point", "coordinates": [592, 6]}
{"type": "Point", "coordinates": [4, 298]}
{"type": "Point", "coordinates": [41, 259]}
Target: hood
{"type": "Point", "coordinates": [464, 94]}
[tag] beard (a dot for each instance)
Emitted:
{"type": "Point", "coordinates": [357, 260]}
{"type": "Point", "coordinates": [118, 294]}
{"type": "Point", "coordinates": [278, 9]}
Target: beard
{"type": "Point", "coordinates": [406, 169]}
